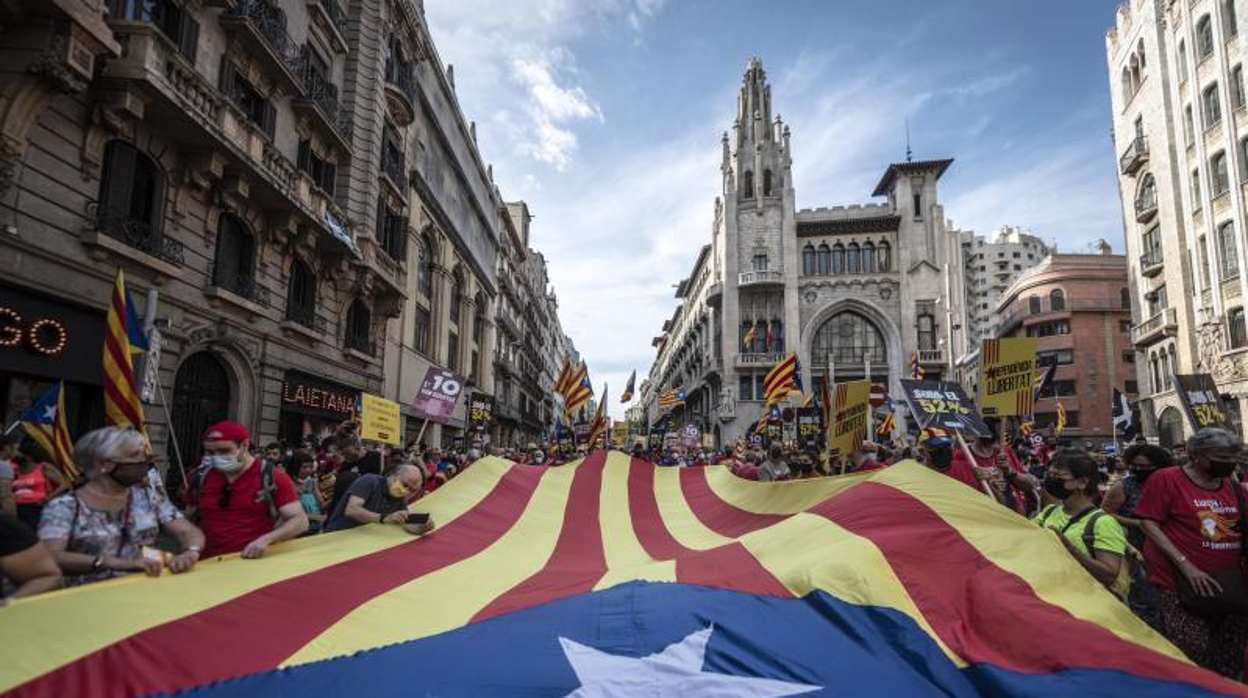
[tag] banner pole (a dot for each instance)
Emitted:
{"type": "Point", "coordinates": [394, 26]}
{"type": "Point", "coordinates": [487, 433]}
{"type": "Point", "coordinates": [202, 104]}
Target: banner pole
{"type": "Point", "coordinates": [967, 450]}
{"type": "Point", "coordinates": [421, 433]}
{"type": "Point", "coordinates": [177, 451]}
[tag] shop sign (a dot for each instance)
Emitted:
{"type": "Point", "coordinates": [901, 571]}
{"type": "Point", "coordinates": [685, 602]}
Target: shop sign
{"type": "Point", "coordinates": [43, 337]}
{"type": "Point", "coordinates": [311, 395]}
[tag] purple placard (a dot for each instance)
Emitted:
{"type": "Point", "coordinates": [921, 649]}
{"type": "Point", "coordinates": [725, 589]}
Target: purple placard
{"type": "Point", "coordinates": [436, 398]}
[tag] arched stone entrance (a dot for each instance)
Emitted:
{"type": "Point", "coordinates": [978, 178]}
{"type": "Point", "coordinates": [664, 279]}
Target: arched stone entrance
{"type": "Point", "coordinates": [858, 339]}
{"type": "Point", "coordinates": [1170, 427]}
{"type": "Point", "coordinates": [201, 396]}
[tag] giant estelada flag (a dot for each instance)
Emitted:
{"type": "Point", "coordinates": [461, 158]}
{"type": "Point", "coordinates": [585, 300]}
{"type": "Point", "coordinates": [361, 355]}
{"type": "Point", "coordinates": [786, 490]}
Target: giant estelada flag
{"type": "Point", "coordinates": [611, 577]}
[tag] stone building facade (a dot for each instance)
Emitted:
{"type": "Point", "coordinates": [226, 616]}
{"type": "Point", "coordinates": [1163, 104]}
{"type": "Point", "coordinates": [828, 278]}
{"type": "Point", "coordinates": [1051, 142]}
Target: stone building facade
{"type": "Point", "coordinates": [855, 290]}
{"type": "Point", "coordinates": [262, 166]}
{"type": "Point", "coordinates": [1181, 131]}
{"type": "Point", "coordinates": [1078, 307]}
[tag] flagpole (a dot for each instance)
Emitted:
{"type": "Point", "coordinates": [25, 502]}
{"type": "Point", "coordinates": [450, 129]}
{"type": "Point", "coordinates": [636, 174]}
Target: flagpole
{"type": "Point", "coordinates": [1113, 422]}
{"type": "Point", "coordinates": [866, 367]}
{"type": "Point", "coordinates": [177, 450]}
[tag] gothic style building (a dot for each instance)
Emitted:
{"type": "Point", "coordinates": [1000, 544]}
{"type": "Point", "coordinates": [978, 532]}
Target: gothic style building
{"type": "Point", "coordinates": [857, 291]}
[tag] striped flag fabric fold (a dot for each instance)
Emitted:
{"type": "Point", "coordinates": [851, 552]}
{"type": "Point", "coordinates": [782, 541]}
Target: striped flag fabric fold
{"type": "Point", "coordinates": [123, 336]}
{"type": "Point", "coordinates": [629, 388]}
{"type": "Point", "coordinates": [781, 380]}
{"type": "Point", "coordinates": [45, 422]}
{"type": "Point", "coordinates": [582, 579]}
{"type": "Point", "coordinates": [599, 424]}
{"type": "Point", "coordinates": [672, 398]}
{"type": "Point", "coordinates": [579, 391]}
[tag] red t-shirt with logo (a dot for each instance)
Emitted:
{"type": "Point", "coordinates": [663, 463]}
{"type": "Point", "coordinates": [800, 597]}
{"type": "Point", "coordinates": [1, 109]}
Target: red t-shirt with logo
{"type": "Point", "coordinates": [246, 515]}
{"type": "Point", "coordinates": [962, 471]}
{"type": "Point", "coordinates": [1200, 522]}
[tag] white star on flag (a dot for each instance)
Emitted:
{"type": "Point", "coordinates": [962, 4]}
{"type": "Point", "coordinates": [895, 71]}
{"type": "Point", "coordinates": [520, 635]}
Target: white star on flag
{"type": "Point", "coordinates": [676, 671]}
{"type": "Point", "coordinates": [49, 414]}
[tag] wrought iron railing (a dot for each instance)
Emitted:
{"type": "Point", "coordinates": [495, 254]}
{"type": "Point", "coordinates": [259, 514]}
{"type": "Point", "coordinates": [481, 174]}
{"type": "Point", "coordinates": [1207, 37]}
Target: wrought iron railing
{"type": "Point", "coordinates": [364, 345]}
{"type": "Point", "coordinates": [1134, 156]}
{"type": "Point", "coordinates": [318, 89]}
{"type": "Point", "coordinates": [402, 77]}
{"type": "Point", "coordinates": [334, 10]}
{"type": "Point", "coordinates": [305, 315]}
{"type": "Point", "coordinates": [243, 286]}
{"type": "Point", "coordinates": [268, 23]}
{"type": "Point", "coordinates": [1151, 258]}
{"type": "Point", "coordinates": [139, 234]}
{"type": "Point", "coordinates": [392, 166]}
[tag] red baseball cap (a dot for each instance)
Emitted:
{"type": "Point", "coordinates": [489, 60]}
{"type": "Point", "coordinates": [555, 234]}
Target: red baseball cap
{"type": "Point", "coordinates": [226, 430]}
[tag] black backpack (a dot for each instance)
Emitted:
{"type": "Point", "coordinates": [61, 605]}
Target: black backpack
{"type": "Point", "coordinates": [268, 488]}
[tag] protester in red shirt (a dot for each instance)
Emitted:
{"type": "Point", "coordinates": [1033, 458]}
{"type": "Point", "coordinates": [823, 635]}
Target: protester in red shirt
{"type": "Point", "coordinates": [863, 459]}
{"type": "Point", "coordinates": [939, 455]}
{"type": "Point", "coordinates": [1191, 516]}
{"type": "Point", "coordinates": [1011, 484]}
{"type": "Point", "coordinates": [243, 502]}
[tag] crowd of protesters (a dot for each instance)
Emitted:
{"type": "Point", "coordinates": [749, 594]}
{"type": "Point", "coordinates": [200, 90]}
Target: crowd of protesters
{"type": "Point", "coordinates": [1160, 529]}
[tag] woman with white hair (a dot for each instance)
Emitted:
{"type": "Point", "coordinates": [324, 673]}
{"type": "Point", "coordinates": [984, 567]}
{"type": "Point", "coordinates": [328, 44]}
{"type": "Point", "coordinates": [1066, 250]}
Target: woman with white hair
{"type": "Point", "coordinates": [1193, 517]}
{"type": "Point", "coordinates": [108, 527]}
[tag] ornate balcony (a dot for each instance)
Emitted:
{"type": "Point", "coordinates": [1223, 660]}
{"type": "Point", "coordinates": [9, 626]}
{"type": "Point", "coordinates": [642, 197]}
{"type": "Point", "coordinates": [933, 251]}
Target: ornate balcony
{"type": "Point", "coordinates": [715, 294]}
{"type": "Point", "coordinates": [936, 356]}
{"type": "Point", "coordinates": [760, 278]}
{"type": "Point", "coordinates": [1135, 156]}
{"type": "Point", "coordinates": [1152, 262]}
{"type": "Point", "coordinates": [135, 234]}
{"type": "Point", "coordinates": [393, 171]}
{"type": "Point", "coordinates": [329, 16]}
{"type": "Point", "coordinates": [245, 287]}
{"type": "Point", "coordinates": [319, 103]}
{"type": "Point", "coordinates": [401, 91]}
{"type": "Point", "coordinates": [1163, 324]}
{"type": "Point", "coordinates": [262, 31]}
{"type": "Point", "coordinates": [1146, 206]}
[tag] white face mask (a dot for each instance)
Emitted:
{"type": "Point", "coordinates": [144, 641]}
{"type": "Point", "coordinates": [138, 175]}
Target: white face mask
{"type": "Point", "coordinates": [227, 464]}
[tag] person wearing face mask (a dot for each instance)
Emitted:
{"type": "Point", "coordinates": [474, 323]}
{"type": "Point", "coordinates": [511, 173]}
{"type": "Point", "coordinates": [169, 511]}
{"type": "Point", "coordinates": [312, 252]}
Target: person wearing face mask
{"type": "Point", "coordinates": [1141, 460]}
{"type": "Point", "coordinates": [243, 502]}
{"type": "Point", "coordinates": [1095, 539]}
{"type": "Point", "coordinates": [938, 455]}
{"type": "Point", "coordinates": [1193, 517]}
{"type": "Point", "coordinates": [377, 499]}
{"type": "Point", "coordinates": [109, 526]}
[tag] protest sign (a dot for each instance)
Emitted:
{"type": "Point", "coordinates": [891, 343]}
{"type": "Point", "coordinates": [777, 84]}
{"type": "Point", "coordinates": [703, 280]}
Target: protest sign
{"type": "Point", "coordinates": [437, 396]}
{"type": "Point", "coordinates": [379, 419]}
{"type": "Point", "coordinates": [850, 402]}
{"type": "Point", "coordinates": [943, 405]}
{"type": "Point", "coordinates": [1201, 400]}
{"type": "Point", "coordinates": [1007, 382]}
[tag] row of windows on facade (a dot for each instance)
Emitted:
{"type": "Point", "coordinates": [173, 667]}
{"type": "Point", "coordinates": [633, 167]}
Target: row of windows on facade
{"type": "Point", "coordinates": [129, 211]}
{"type": "Point", "coordinates": [1228, 248]}
{"type": "Point", "coordinates": [1134, 70]}
{"type": "Point", "coordinates": [839, 259]}
{"type": "Point", "coordinates": [747, 184]}
{"type": "Point", "coordinates": [1163, 364]}
{"type": "Point", "coordinates": [1057, 301]}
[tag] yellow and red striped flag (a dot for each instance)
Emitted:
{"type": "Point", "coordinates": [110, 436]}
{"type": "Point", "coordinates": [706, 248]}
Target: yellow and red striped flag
{"type": "Point", "coordinates": [565, 376]}
{"type": "Point", "coordinates": [123, 337]}
{"type": "Point", "coordinates": [578, 391]}
{"type": "Point", "coordinates": [45, 423]}
{"type": "Point", "coordinates": [580, 579]}
{"type": "Point", "coordinates": [599, 424]}
{"type": "Point", "coordinates": [781, 380]}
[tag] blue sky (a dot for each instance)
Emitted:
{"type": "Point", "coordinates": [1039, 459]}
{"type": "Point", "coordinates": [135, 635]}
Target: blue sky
{"type": "Point", "coordinates": [605, 116]}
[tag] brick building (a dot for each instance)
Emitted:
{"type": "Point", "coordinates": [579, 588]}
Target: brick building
{"type": "Point", "coordinates": [1078, 307]}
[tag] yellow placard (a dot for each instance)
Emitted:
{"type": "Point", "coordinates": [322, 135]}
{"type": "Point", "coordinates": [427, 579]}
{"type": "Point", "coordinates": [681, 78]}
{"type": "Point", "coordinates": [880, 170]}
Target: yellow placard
{"type": "Point", "coordinates": [379, 420]}
{"type": "Point", "coordinates": [1007, 377]}
{"type": "Point", "coordinates": [850, 404]}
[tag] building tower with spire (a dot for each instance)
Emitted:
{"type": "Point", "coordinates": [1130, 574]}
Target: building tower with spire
{"type": "Point", "coordinates": [857, 290]}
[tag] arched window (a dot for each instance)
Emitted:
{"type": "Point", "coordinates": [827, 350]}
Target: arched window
{"type": "Point", "coordinates": [1146, 197]}
{"type": "Point", "coordinates": [748, 183]}
{"type": "Point", "coordinates": [1204, 38]}
{"type": "Point", "coordinates": [1134, 66]}
{"type": "Point", "coordinates": [884, 253]}
{"type": "Point", "coordinates": [425, 272]}
{"type": "Point", "coordinates": [1166, 371]}
{"type": "Point", "coordinates": [1230, 251]}
{"type": "Point", "coordinates": [847, 339]}
{"type": "Point", "coordinates": [1057, 299]}
{"type": "Point", "coordinates": [130, 195]}
{"type": "Point", "coordinates": [301, 295]}
{"type": "Point", "coordinates": [838, 259]}
{"type": "Point", "coordinates": [1155, 367]}
{"type": "Point", "coordinates": [808, 260]}
{"type": "Point", "coordinates": [775, 342]}
{"type": "Point", "coordinates": [766, 182]}
{"type": "Point", "coordinates": [1237, 331]}
{"type": "Point", "coordinates": [1174, 362]}
{"type": "Point", "coordinates": [1230, 23]}
{"type": "Point", "coordinates": [1125, 81]}
{"type": "Point", "coordinates": [1219, 175]}
{"type": "Point", "coordinates": [927, 332]}
{"type": "Point", "coordinates": [851, 259]}
{"type": "Point", "coordinates": [234, 267]}
{"type": "Point", "coordinates": [824, 260]}
{"type": "Point", "coordinates": [1033, 305]}
{"type": "Point", "coordinates": [1139, 51]}
{"type": "Point", "coordinates": [457, 296]}
{"type": "Point", "coordinates": [359, 327]}
{"type": "Point", "coordinates": [1124, 295]}
{"type": "Point", "coordinates": [868, 258]}
{"type": "Point", "coordinates": [1211, 104]}
{"type": "Point", "coordinates": [1182, 61]}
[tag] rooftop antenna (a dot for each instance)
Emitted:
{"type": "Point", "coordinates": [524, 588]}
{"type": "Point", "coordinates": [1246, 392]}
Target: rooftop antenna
{"type": "Point", "coordinates": [908, 154]}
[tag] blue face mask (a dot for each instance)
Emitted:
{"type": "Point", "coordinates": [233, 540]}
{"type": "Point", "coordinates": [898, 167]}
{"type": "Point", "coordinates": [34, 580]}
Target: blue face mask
{"type": "Point", "coordinates": [227, 464]}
